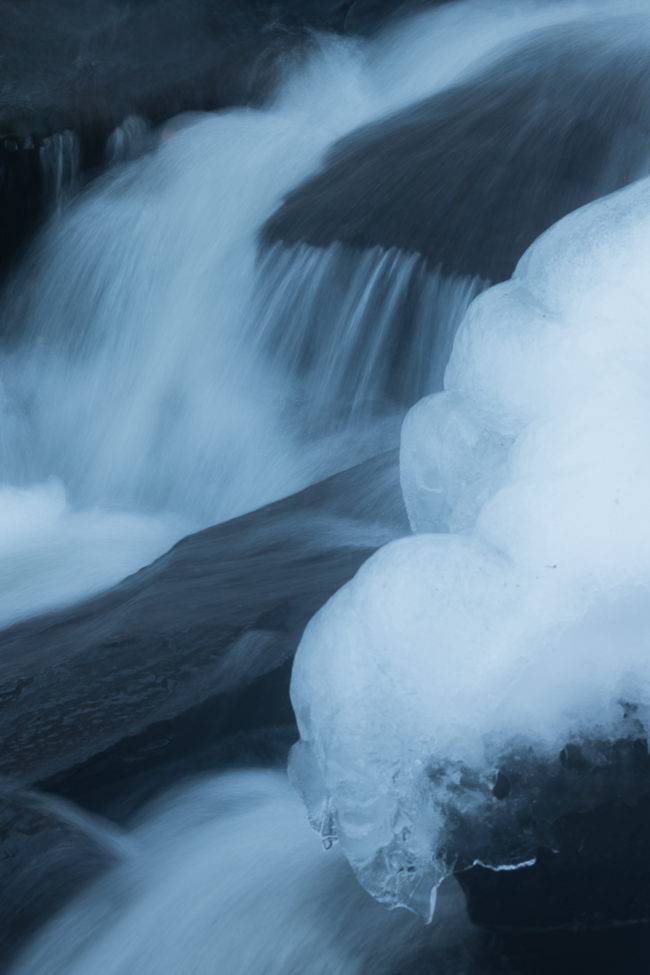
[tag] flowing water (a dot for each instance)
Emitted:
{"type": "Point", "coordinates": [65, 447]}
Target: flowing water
{"type": "Point", "coordinates": [237, 853]}
{"type": "Point", "coordinates": [162, 371]}
{"type": "Point", "coordinates": [153, 381]}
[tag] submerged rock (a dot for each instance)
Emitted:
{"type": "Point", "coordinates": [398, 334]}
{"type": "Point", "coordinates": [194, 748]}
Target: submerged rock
{"type": "Point", "coordinates": [48, 853]}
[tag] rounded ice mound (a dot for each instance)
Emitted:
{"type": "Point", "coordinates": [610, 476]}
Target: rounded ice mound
{"type": "Point", "coordinates": [524, 623]}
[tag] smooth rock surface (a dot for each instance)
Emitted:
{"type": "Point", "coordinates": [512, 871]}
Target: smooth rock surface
{"type": "Point", "coordinates": [205, 634]}
{"type": "Point", "coordinates": [471, 176]}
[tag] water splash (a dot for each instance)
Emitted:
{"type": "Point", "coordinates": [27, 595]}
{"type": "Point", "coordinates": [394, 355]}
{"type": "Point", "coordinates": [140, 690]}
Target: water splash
{"type": "Point", "coordinates": [226, 876]}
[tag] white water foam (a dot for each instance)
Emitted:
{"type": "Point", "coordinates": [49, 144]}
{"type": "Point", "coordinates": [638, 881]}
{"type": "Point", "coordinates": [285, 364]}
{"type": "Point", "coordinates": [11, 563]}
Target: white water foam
{"type": "Point", "coordinates": [52, 555]}
{"type": "Point", "coordinates": [226, 877]}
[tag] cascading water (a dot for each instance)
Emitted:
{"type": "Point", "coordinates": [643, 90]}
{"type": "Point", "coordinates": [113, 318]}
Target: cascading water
{"type": "Point", "coordinates": [238, 855]}
{"type": "Point", "coordinates": [358, 329]}
{"type": "Point", "coordinates": [164, 368]}
{"type": "Point", "coordinates": [139, 397]}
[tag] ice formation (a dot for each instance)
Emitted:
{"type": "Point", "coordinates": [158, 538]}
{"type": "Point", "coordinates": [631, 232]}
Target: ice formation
{"type": "Point", "coordinates": [519, 617]}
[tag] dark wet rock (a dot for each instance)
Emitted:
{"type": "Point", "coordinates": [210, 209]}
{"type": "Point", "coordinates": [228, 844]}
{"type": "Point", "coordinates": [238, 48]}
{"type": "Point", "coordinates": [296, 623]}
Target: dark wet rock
{"type": "Point", "coordinates": [583, 820]}
{"type": "Point", "coordinates": [48, 853]}
{"type": "Point", "coordinates": [194, 647]}
{"type": "Point", "coordinates": [471, 176]}
{"type": "Point", "coordinates": [458, 947]}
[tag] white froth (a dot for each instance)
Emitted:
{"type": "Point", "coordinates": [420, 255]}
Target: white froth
{"type": "Point", "coordinates": [51, 554]}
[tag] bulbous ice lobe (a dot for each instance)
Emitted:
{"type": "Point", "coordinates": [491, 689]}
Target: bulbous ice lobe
{"type": "Point", "coordinates": [524, 622]}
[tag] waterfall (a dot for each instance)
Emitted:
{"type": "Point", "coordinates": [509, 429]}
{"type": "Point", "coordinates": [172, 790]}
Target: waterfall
{"type": "Point", "coordinates": [156, 365]}
{"type": "Point", "coordinates": [365, 331]}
